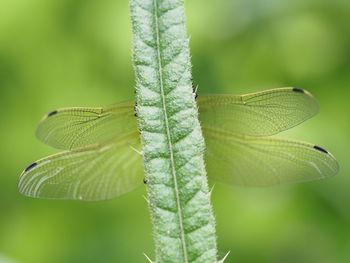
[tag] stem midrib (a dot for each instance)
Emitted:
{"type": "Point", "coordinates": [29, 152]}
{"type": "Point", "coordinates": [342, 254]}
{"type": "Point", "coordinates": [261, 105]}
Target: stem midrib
{"type": "Point", "coordinates": [172, 161]}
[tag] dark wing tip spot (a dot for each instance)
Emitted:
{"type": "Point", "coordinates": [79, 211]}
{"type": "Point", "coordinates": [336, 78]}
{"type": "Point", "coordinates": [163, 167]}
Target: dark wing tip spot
{"type": "Point", "coordinates": [52, 113]}
{"type": "Point", "coordinates": [298, 90]}
{"type": "Point", "coordinates": [320, 149]}
{"type": "Point", "coordinates": [30, 167]}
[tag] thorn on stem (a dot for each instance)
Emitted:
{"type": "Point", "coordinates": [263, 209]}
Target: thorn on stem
{"type": "Point", "coordinates": [149, 260]}
{"type": "Point", "coordinates": [146, 199]}
{"type": "Point", "coordinates": [224, 258]}
{"type": "Point", "coordinates": [211, 190]}
{"type": "Point", "coordinates": [135, 150]}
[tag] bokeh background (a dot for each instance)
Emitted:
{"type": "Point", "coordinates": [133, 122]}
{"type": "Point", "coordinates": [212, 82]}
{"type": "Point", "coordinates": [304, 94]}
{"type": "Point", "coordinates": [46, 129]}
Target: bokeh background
{"type": "Point", "coordinates": [78, 53]}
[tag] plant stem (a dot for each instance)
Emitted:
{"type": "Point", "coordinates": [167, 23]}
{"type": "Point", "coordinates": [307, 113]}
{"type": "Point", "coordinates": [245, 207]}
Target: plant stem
{"type": "Point", "coordinates": [173, 145]}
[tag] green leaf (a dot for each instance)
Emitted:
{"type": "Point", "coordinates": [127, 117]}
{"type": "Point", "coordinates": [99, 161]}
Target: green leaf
{"type": "Point", "coordinates": [173, 145]}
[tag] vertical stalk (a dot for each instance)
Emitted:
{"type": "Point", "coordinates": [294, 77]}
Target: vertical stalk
{"type": "Point", "coordinates": [173, 145]}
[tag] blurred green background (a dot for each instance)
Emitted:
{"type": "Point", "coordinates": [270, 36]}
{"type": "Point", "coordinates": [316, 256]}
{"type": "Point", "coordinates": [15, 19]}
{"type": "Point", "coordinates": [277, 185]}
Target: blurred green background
{"type": "Point", "coordinates": [56, 53]}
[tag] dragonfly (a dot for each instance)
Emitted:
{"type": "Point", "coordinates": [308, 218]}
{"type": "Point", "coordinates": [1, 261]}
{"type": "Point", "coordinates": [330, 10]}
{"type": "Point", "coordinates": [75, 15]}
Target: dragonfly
{"type": "Point", "coordinates": [102, 156]}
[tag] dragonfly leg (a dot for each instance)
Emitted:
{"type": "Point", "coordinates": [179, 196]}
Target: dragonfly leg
{"type": "Point", "coordinates": [194, 88]}
{"type": "Point", "coordinates": [135, 111]}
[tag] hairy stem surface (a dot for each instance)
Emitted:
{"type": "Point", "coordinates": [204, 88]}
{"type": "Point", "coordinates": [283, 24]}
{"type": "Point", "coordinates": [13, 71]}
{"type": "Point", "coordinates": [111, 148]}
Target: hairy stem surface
{"type": "Point", "coordinates": [173, 145]}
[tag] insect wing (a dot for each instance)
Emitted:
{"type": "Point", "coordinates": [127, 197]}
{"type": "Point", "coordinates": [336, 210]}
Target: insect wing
{"type": "Point", "coordinates": [90, 173]}
{"type": "Point", "coordinates": [254, 161]}
{"type": "Point", "coordinates": [257, 114]}
{"type": "Point", "coordinates": [70, 128]}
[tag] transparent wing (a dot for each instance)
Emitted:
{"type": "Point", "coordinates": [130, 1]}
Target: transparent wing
{"type": "Point", "coordinates": [91, 173]}
{"type": "Point", "coordinates": [257, 114]}
{"type": "Point", "coordinates": [70, 128]}
{"type": "Point", "coordinates": [255, 161]}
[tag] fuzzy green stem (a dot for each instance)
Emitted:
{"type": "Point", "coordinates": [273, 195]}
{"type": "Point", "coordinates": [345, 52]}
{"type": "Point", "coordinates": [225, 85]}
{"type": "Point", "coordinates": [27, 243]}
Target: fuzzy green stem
{"type": "Point", "coordinates": [173, 145]}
